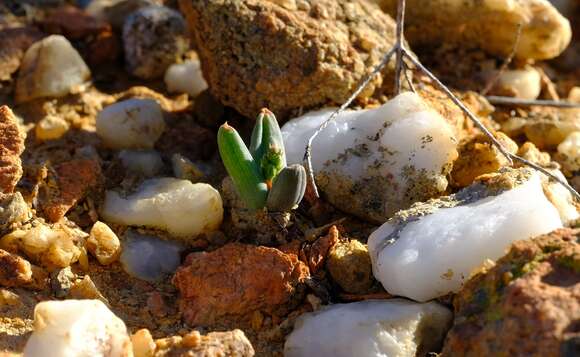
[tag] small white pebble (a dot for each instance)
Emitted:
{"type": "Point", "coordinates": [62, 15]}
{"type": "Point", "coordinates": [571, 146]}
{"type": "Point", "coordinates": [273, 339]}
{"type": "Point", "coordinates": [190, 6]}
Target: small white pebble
{"type": "Point", "coordinates": [184, 169]}
{"type": "Point", "coordinates": [185, 77]}
{"type": "Point", "coordinates": [131, 124]}
{"type": "Point", "coordinates": [570, 150]}
{"type": "Point", "coordinates": [524, 83]}
{"type": "Point", "coordinates": [147, 163]}
{"type": "Point", "coordinates": [73, 328]}
{"type": "Point", "coordinates": [103, 243]}
{"type": "Point", "coordinates": [51, 67]}
{"type": "Point", "coordinates": [182, 208]}
{"type": "Point", "coordinates": [372, 328]}
{"type": "Point", "coordinates": [51, 128]}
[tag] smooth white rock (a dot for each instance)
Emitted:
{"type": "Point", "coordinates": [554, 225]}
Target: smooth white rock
{"type": "Point", "coordinates": [147, 163]}
{"type": "Point", "coordinates": [372, 328]}
{"type": "Point", "coordinates": [561, 198]}
{"type": "Point", "coordinates": [131, 124]}
{"type": "Point", "coordinates": [178, 206]}
{"type": "Point", "coordinates": [570, 150]}
{"type": "Point", "coordinates": [77, 328]}
{"type": "Point", "coordinates": [379, 160]}
{"type": "Point", "coordinates": [523, 83]}
{"type": "Point", "coordinates": [148, 257]}
{"type": "Point", "coordinates": [434, 252]}
{"type": "Point", "coordinates": [50, 67]}
{"type": "Point", "coordinates": [185, 77]}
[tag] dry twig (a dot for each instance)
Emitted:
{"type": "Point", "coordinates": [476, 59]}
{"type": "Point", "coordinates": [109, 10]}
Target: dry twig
{"type": "Point", "coordinates": [506, 63]}
{"type": "Point", "coordinates": [498, 100]}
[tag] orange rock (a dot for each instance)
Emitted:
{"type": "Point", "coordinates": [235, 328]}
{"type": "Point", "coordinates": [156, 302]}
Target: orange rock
{"type": "Point", "coordinates": [317, 253]}
{"type": "Point", "coordinates": [75, 179]}
{"type": "Point", "coordinates": [236, 280]}
{"type": "Point", "coordinates": [11, 146]}
{"type": "Point", "coordinates": [194, 344]}
{"type": "Point", "coordinates": [14, 270]}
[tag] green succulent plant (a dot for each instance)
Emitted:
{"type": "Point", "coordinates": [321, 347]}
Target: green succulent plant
{"type": "Point", "coordinates": [260, 173]}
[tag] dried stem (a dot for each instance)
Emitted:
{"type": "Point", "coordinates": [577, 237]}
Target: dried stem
{"type": "Point", "coordinates": [511, 157]}
{"type": "Point", "coordinates": [308, 151]}
{"type": "Point", "coordinates": [506, 63]}
{"type": "Point", "coordinates": [462, 106]}
{"type": "Point", "coordinates": [407, 78]}
{"type": "Point", "coordinates": [497, 100]}
{"type": "Point", "coordinates": [399, 44]}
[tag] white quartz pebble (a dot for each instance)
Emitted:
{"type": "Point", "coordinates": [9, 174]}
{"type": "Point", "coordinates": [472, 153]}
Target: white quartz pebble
{"type": "Point", "coordinates": [77, 328]}
{"type": "Point", "coordinates": [372, 328]}
{"type": "Point", "coordinates": [131, 124]}
{"type": "Point", "coordinates": [431, 249]}
{"type": "Point", "coordinates": [182, 208]}
{"type": "Point", "coordinates": [379, 160]}
{"type": "Point", "coordinates": [570, 151]}
{"type": "Point", "coordinates": [185, 77]}
{"type": "Point", "coordinates": [147, 163]}
{"type": "Point", "coordinates": [521, 83]}
{"type": "Point", "coordinates": [51, 67]}
{"type": "Point", "coordinates": [148, 257]}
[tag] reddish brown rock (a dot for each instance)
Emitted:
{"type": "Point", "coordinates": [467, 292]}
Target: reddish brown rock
{"type": "Point", "coordinates": [13, 43]}
{"type": "Point", "coordinates": [528, 304]}
{"type": "Point", "coordinates": [236, 280]}
{"type": "Point", "coordinates": [11, 146]}
{"type": "Point", "coordinates": [74, 179]}
{"type": "Point", "coordinates": [287, 55]}
{"type": "Point", "coordinates": [14, 270]}
{"type": "Point", "coordinates": [193, 344]}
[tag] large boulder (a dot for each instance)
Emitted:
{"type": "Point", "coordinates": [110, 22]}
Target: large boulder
{"type": "Point", "coordinates": [287, 55]}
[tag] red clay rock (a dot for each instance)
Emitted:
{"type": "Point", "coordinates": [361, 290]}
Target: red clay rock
{"type": "Point", "coordinates": [528, 304]}
{"type": "Point", "coordinates": [236, 280]}
{"type": "Point", "coordinates": [14, 270]}
{"type": "Point", "coordinates": [75, 178]}
{"type": "Point", "coordinates": [11, 146]}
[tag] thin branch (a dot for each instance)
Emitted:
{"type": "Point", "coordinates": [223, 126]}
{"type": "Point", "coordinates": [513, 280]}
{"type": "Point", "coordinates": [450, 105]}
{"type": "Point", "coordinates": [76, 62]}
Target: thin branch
{"type": "Point", "coordinates": [462, 106]}
{"type": "Point", "coordinates": [399, 44]}
{"type": "Point", "coordinates": [407, 78]}
{"type": "Point", "coordinates": [506, 63]}
{"type": "Point", "coordinates": [497, 100]}
{"type": "Point", "coordinates": [549, 174]}
{"type": "Point", "coordinates": [511, 157]}
{"type": "Point", "coordinates": [308, 153]}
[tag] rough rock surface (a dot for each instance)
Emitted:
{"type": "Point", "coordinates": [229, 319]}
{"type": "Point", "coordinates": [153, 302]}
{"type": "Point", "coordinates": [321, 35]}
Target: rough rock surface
{"type": "Point", "coordinates": [491, 25]}
{"type": "Point", "coordinates": [193, 344]}
{"type": "Point", "coordinates": [477, 156]}
{"type": "Point", "coordinates": [14, 270]}
{"type": "Point", "coordinates": [74, 179]}
{"type": "Point", "coordinates": [528, 304]}
{"type": "Point", "coordinates": [237, 279]}
{"type": "Point", "coordinates": [349, 264]}
{"type": "Point", "coordinates": [11, 146]}
{"type": "Point", "coordinates": [257, 53]}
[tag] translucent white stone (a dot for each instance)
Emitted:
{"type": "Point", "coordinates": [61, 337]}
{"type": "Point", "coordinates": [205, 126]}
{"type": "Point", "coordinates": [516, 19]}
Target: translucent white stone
{"type": "Point", "coordinates": [372, 328]}
{"type": "Point", "coordinates": [379, 160]}
{"type": "Point", "coordinates": [570, 150]}
{"type": "Point", "coordinates": [131, 124]}
{"type": "Point", "coordinates": [182, 208]}
{"type": "Point", "coordinates": [523, 83]}
{"type": "Point", "coordinates": [147, 163]}
{"type": "Point", "coordinates": [51, 67]}
{"type": "Point", "coordinates": [148, 257]}
{"type": "Point", "coordinates": [185, 77]}
{"type": "Point", "coordinates": [561, 198]}
{"type": "Point", "coordinates": [77, 328]}
{"type": "Point", "coordinates": [431, 249]}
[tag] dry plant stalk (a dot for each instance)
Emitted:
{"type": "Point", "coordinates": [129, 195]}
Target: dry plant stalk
{"type": "Point", "coordinates": [402, 53]}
